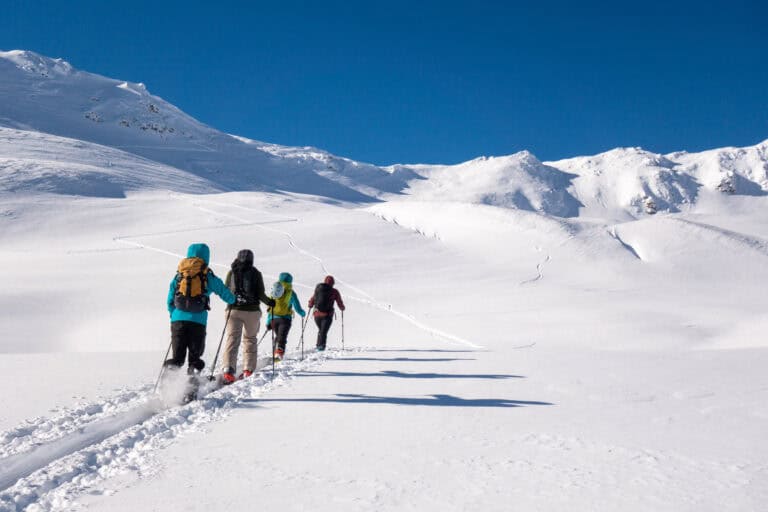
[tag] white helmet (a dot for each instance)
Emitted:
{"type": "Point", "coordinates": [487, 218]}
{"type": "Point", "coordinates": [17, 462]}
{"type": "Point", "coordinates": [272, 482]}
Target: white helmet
{"type": "Point", "coordinates": [277, 290]}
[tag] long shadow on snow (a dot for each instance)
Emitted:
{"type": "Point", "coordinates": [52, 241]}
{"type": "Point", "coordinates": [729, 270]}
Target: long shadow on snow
{"type": "Point", "coordinates": [409, 359]}
{"type": "Point", "coordinates": [435, 400]}
{"type": "Point", "coordinates": [436, 350]}
{"type": "Point", "coordinates": [403, 375]}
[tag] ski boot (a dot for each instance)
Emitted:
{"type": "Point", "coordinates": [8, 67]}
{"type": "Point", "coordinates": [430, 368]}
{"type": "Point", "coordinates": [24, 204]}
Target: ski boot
{"type": "Point", "coordinates": [193, 383]}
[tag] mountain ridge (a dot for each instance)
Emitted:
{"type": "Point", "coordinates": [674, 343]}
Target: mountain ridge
{"type": "Point", "coordinates": [53, 97]}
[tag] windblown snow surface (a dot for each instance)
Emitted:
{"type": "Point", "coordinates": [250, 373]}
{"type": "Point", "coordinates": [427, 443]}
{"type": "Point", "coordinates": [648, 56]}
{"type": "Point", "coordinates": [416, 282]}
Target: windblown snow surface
{"type": "Point", "coordinates": [587, 334]}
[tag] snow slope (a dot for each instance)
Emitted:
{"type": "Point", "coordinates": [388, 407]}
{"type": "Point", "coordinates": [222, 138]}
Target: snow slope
{"type": "Point", "coordinates": [518, 334]}
{"type": "Point", "coordinates": [38, 162]}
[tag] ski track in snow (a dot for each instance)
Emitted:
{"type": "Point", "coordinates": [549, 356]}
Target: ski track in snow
{"type": "Point", "coordinates": [38, 431]}
{"type": "Point", "coordinates": [366, 298]}
{"type": "Point", "coordinates": [539, 270]}
{"type": "Point", "coordinates": [93, 448]}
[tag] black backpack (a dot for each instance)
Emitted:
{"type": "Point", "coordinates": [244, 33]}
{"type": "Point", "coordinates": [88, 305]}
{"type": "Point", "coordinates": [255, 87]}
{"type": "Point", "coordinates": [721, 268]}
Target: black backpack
{"type": "Point", "coordinates": [243, 282]}
{"type": "Point", "coordinates": [324, 298]}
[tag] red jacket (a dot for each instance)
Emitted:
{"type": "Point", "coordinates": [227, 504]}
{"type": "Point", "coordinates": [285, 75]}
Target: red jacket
{"type": "Point", "coordinates": [335, 296]}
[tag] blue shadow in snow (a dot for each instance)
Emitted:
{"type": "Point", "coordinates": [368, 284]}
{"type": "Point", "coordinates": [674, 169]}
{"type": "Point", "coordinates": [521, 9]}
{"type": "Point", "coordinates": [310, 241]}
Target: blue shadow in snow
{"type": "Point", "coordinates": [409, 359]}
{"type": "Point", "coordinates": [431, 400]}
{"type": "Point", "coordinates": [404, 375]}
{"type": "Point", "coordinates": [436, 350]}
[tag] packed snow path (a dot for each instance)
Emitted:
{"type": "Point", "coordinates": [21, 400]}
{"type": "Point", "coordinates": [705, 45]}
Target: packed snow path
{"type": "Point", "coordinates": [50, 469]}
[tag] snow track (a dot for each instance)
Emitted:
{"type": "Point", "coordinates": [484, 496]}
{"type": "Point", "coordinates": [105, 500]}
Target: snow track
{"type": "Point", "coordinates": [539, 269]}
{"type": "Point", "coordinates": [363, 297]}
{"type": "Point", "coordinates": [92, 448]}
{"type": "Point", "coordinates": [34, 433]}
{"type": "Point", "coordinates": [367, 298]}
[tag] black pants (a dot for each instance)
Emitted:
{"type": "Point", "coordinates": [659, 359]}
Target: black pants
{"type": "Point", "coordinates": [187, 336]}
{"type": "Point", "coordinates": [281, 326]}
{"type": "Point", "coordinates": [323, 325]}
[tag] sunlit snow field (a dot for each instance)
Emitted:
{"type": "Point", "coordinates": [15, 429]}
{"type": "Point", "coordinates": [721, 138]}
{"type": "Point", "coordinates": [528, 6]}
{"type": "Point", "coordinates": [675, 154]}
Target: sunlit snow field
{"type": "Point", "coordinates": [522, 360]}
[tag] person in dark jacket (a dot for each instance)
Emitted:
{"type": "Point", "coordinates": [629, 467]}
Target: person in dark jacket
{"type": "Point", "coordinates": [189, 311]}
{"type": "Point", "coordinates": [247, 283]}
{"type": "Point", "coordinates": [323, 299]}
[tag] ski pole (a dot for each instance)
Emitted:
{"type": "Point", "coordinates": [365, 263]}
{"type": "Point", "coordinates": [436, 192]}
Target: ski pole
{"type": "Point", "coordinates": [162, 368]}
{"type": "Point", "coordinates": [274, 337]}
{"type": "Point", "coordinates": [262, 338]}
{"type": "Point", "coordinates": [216, 358]}
{"type": "Point", "coordinates": [304, 322]}
{"type": "Point", "coordinates": [257, 347]}
{"type": "Point", "coordinates": [342, 330]}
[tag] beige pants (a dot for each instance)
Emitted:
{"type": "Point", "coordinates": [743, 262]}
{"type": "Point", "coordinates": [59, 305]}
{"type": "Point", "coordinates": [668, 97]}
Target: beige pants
{"type": "Point", "coordinates": [240, 321]}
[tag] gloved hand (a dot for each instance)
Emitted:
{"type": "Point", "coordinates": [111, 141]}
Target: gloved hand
{"type": "Point", "coordinates": [303, 313]}
{"type": "Point", "coordinates": [271, 303]}
{"type": "Point", "coordinates": [342, 308]}
{"type": "Point", "coordinates": [240, 300]}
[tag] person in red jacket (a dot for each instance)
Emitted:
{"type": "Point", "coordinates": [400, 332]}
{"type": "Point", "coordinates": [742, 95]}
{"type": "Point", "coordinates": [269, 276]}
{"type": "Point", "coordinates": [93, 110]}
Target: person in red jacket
{"type": "Point", "coordinates": [323, 299]}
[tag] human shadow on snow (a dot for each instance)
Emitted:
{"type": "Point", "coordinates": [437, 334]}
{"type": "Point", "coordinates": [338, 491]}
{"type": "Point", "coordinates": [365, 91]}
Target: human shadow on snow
{"type": "Point", "coordinates": [404, 375]}
{"type": "Point", "coordinates": [437, 350]}
{"type": "Point", "coordinates": [410, 359]}
{"type": "Point", "coordinates": [430, 400]}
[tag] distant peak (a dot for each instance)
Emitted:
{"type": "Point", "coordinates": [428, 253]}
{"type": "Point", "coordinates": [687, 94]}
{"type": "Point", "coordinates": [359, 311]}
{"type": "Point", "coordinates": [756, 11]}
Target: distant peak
{"type": "Point", "coordinates": [32, 62]}
{"type": "Point", "coordinates": [623, 151]}
{"type": "Point", "coordinates": [523, 157]}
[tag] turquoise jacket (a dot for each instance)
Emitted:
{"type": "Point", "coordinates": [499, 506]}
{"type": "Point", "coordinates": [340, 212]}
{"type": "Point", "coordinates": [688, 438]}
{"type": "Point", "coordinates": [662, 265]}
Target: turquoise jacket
{"type": "Point", "coordinates": [214, 285]}
{"type": "Point", "coordinates": [285, 277]}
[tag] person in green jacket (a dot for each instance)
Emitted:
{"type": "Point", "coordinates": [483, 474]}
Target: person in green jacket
{"type": "Point", "coordinates": [281, 315]}
{"type": "Point", "coordinates": [244, 317]}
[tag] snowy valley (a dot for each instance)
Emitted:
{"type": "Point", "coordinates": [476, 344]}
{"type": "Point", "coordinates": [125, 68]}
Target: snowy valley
{"type": "Point", "coordinates": [585, 334]}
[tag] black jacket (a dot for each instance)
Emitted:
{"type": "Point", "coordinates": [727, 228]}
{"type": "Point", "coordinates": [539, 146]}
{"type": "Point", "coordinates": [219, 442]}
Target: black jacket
{"type": "Point", "coordinates": [252, 287]}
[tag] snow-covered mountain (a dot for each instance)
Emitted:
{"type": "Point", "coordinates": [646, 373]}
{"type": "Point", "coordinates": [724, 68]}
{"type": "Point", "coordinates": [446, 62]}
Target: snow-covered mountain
{"type": "Point", "coordinates": [50, 96]}
{"type": "Point", "coordinates": [518, 181]}
{"type": "Point", "coordinates": [635, 181]}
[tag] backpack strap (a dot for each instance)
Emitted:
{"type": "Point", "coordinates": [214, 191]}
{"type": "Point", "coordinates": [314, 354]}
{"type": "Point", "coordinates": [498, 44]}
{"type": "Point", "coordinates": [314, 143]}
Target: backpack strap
{"type": "Point", "coordinates": [204, 278]}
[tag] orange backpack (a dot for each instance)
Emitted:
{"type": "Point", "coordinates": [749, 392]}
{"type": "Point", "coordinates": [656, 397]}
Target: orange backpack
{"type": "Point", "coordinates": [191, 286]}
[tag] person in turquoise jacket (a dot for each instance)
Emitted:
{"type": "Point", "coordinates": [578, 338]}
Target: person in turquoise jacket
{"type": "Point", "coordinates": [281, 315]}
{"type": "Point", "coordinates": [188, 306]}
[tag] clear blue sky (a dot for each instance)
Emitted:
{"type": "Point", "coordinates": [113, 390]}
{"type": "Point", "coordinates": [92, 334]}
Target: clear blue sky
{"type": "Point", "coordinates": [443, 82]}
